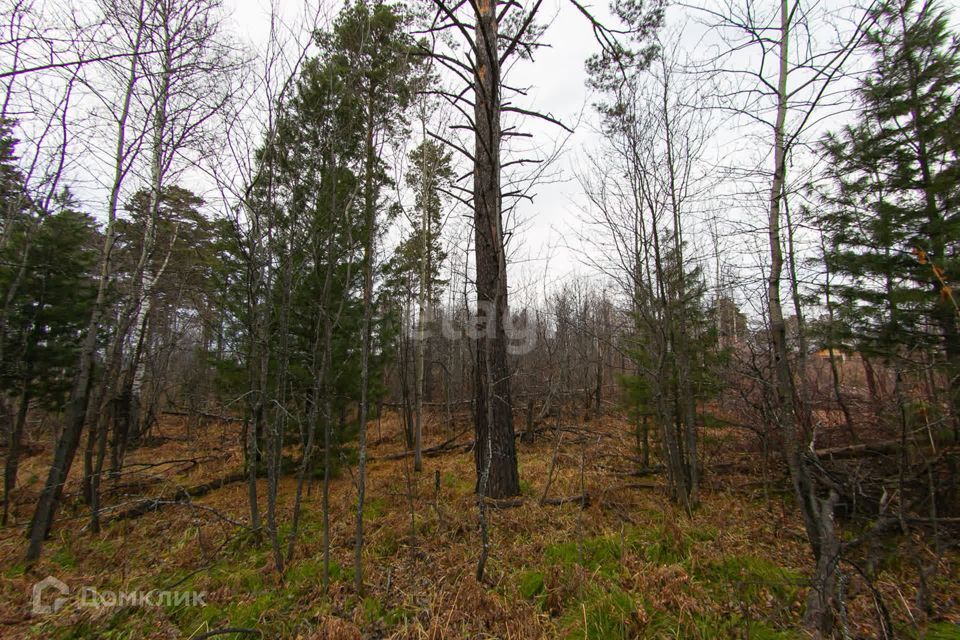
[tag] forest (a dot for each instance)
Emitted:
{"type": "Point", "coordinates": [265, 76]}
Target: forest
{"type": "Point", "coordinates": [489, 319]}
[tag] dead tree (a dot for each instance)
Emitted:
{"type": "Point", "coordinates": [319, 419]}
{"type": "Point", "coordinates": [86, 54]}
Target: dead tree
{"type": "Point", "coordinates": [495, 34]}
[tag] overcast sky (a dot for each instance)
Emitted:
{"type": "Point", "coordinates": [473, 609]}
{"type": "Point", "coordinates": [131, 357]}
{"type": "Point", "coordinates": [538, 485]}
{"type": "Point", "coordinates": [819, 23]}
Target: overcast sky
{"type": "Point", "coordinates": [556, 79]}
{"type": "Point", "coordinates": [545, 242]}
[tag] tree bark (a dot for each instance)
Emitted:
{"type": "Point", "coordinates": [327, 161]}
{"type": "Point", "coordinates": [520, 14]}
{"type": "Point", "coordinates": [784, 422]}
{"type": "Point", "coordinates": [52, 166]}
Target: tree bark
{"type": "Point", "coordinates": [13, 450]}
{"type": "Point", "coordinates": [494, 424]}
{"type": "Point", "coordinates": [66, 446]}
{"type": "Point", "coordinates": [76, 407]}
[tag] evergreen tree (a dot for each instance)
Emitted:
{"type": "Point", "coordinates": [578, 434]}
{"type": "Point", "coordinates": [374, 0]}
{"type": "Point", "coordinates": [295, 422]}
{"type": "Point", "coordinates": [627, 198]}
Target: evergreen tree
{"type": "Point", "coordinates": [307, 331]}
{"type": "Point", "coordinates": [670, 297]}
{"type": "Point", "coordinates": [45, 315]}
{"type": "Point", "coordinates": [179, 260]}
{"type": "Point", "coordinates": [430, 175]}
{"type": "Point", "coordinates": [12, 196]}
{"type": "Point", "coordinates": [370, 42]}
{"type": "Point", "coordinates": [892, 218]}
{"type": "Point", "coordinates": [414, 274]}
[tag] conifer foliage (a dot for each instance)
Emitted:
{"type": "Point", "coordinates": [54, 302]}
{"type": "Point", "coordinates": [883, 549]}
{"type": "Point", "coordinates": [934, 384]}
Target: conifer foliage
{"type": "Point", "coordinates": [891, 214]}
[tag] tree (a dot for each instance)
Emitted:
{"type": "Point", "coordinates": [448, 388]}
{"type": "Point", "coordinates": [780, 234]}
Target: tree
{"type": "Point", "coordinates": [652, 173]}
{"type": "Point", "coordinates": [789, 81]}
{"type": "Point", "coordinates": [890, 213]}
{"type": "Point", "coordinates": [429, 177]}
{"type": "Point", "coordinates": [370, 44]}
{"type": "Point", "coordinates": [45, 317]}
{"type": "Point", "coordinates": [496, 34]}
{"type": "Point", "coordinates": [178, 97]}
{"type": "Point", "coordinates": [182, 84]}
{"type": "Point", "coordinates": [12, 201]}
{"type": "Point", "coordinates": [126, 23]}
{"type": "Point", "coordinates": [180, 239]}
{"type": "Point", "coordinates": [316, 209]}
{"type": "Point", "coordinates": [307, 199]}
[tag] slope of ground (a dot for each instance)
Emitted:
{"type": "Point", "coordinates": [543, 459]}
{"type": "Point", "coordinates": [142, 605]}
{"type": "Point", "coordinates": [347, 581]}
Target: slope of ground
{"type": "Point", "coordinates": [627, 564]}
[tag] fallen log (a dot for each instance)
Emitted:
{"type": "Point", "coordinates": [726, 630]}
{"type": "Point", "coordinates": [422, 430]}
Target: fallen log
{"type": "Point", "coordinates": [882, 448]}
{"type": "Point", "coordinates": [145, 506]}
{"type": "Point", "coordinates": [633, 485]}
{"type": "Point", "coordinates": [452, 445]}
{"type": "Point", "coordinates": [583, 500]}
{"type": "Point", "coordinates": [201, 414]}
{"type": "Point", "coordinates": [445, 446]}
{"type": "Point", "coordinates": [452, 403]}
{"type": "Point", "coordinates": [428, 452]}
{"type": "Point", "coordinates": [640, 473]}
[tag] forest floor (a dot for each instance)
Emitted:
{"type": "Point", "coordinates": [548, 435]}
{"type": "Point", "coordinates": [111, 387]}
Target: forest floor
{"type": "Point", "coordinates": [627, 565]}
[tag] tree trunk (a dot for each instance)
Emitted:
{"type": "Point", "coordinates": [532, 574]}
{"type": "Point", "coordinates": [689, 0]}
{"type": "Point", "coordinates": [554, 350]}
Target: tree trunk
{"type": "Point", "coordinates": [146, 276]}
{"type": "Point", "coordinates": [598, 385]}
{"type": "Point", "coordinates": [421, 334]}
{"type": "Point", "coordinates": [527, 436]}
{"type": "Point", "coordinates": [76, 407]}
{"type": "Point", "coordinates": [368, 257]}
{"type": "Point", "coordinates": [327, 444]}
{"type": "Point", "coordinates": [13, 449]}
{"type": "Point", "coordinates": [642, 434]}
{"type": "Point", "coordinates": [66, 446]}
{"type": "Point", "coordinates": [819, 534]}
{"type": "Point", "coordinates": [494, 424]}
{"type": "Point", "coordinates": [687, 398]}
{"type": "Point", "coordinates": [822, 605]}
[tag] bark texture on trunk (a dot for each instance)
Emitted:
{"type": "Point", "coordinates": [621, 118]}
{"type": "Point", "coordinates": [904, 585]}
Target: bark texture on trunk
{"type": "Point", "coordinates": [15, 438]}
{"type": "Point", "coordinates": [76, 408]}
{"type": "Point", "coordinates": [494, 424]}
{"type": "Point", "coordinates": [75, 413]}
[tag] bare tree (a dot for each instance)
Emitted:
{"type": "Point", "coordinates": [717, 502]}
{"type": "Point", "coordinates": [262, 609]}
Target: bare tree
{"type": "Point", "coordinates": [41, 181]}
{"type": "Point", "coordinates": [656, 132]}
{"type": "Point", "coordinates": [793, 80]}
{"type": "Point", "coordinates": [495, 34]}
{"type": "Point", "coordinates": [178, 103]}
{"type": "Point", "coordinates": [130, 31]}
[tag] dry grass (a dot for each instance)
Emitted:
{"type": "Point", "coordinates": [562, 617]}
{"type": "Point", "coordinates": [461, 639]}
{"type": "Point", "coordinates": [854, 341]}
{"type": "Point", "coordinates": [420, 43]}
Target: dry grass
{"type": "Point", "coordinates": [629, 565]}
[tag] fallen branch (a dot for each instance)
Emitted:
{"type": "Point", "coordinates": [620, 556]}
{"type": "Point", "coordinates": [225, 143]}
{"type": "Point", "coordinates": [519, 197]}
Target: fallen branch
{"type": "Point", "coordinates": [452, 445]}
{"type": "Point", "coordinates": [884, 447]}
{"type": "Point", "coordinates": [633, 485]}
{"type": "Point", "coordinates": [640, 473]}
{"type": "Point", "coordinates": [201, 414]}
{"type": "Point", "coordinates": [452, 403]}
{"type": "Point", "coordinates": [447, 445]}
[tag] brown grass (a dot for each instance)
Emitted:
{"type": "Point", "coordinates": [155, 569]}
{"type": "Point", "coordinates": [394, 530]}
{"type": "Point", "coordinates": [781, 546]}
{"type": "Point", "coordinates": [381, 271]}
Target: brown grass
{"type": "Point", "coordinates": [669, 573]}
